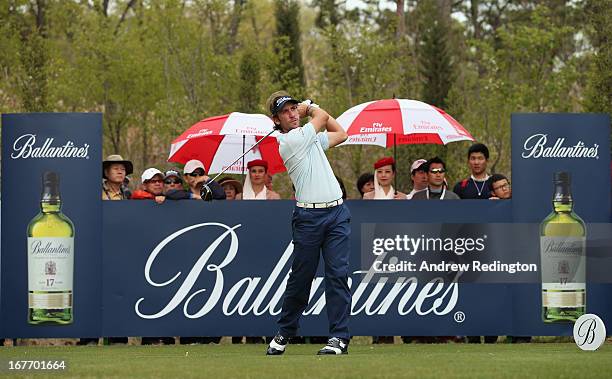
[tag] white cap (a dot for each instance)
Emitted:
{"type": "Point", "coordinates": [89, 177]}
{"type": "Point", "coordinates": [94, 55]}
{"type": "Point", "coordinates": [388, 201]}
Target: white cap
{"type": "Point", "coordinates": [149, 173]}
{"type": "Point", "coordinates": [192, 165]}
{"type": "Point", "coordinates": [416, 164]}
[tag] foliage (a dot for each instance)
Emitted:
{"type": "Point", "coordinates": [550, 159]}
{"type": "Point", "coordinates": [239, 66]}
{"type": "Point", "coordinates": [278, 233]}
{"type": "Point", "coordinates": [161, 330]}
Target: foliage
{"type": "Point", "coordinates": [156, 67]}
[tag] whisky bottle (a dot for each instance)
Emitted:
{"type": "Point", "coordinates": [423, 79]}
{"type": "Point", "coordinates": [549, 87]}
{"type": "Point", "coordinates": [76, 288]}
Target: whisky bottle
{"type": "Point", "coordinates": [563, 258]}
{"type": "Point", "coordinates": [50, 259]}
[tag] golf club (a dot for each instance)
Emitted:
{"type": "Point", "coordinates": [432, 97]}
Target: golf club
{"type": "Point", "coordinates": [206, 192]}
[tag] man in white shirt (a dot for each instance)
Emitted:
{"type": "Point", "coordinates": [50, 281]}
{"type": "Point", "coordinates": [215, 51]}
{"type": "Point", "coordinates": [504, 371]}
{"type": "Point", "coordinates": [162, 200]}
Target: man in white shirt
{"type": "Point", "coordinates": [436, 187]}
{"type": "Point", "coordinates": [321, 222]}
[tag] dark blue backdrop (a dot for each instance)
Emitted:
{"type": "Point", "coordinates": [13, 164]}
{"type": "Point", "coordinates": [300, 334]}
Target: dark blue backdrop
{"type": "Point", "coordinates": [81, 193]}
{"type": "Point", "coordinates": [532, 186]}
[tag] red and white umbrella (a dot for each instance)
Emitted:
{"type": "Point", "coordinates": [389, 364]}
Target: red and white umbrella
{"type": "Point", "coordinates": [392, 122]}
{"type": "Point", "coordinates": [218, 141]}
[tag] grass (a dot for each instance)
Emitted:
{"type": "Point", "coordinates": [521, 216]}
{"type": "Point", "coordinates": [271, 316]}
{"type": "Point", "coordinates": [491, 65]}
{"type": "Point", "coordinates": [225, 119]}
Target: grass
{"type": "Point", "coordinates": [550, 360]}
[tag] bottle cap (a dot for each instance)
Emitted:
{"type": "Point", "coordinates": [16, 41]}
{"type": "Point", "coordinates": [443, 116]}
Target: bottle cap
{"type": "Point", "coordinates": [50, 187]}
{"type": "Point", "coordinates": [562, 183]}
{"type": "Point", "coordinates": [562, 178]}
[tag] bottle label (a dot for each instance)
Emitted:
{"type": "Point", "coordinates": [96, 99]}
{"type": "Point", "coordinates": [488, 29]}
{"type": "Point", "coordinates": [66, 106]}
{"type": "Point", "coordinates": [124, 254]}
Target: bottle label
{"type": "Point", "coordinates": [50, 300]}
{"type": "Point", "coordinates": [563, 263]}
{"type": "Point", "coordinates": [563, 299]}
{"type": "Point", "coordinates": [50, 263]}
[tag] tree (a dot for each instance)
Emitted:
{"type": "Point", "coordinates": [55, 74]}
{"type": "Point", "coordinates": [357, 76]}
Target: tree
{"type": "Point", "coordinates": [287, 67]}
{"type": "Point", "coordinates": [435, 56]}
{"type": "Point", "coordinates": [34, 57]}
{"type": "Point", "coordinates": [599, 87]}
{"type": "Point", "coordinates": [250, 77]}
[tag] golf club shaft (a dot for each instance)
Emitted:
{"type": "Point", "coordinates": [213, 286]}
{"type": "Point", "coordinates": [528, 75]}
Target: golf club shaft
{"type": "Point", "coordinates": [240, 157]}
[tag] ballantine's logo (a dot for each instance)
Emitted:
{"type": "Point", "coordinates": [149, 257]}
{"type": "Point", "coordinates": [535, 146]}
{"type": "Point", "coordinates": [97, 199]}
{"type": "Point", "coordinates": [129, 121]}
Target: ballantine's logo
{"type": "Point", "coordinates": [251, 295]}
{"type": "Point", "coordinates": [535, 147]}
{"type": "Point", "coordinates": [24, 147]}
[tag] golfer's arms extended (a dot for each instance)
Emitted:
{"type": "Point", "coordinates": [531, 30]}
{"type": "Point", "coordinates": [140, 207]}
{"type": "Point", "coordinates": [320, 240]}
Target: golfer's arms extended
{"type": "Point", "coordinates": [335, 132]}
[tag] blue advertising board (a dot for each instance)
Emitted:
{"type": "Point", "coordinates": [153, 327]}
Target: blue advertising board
{"type": "Point", "coordinates": [69, 145]}
{"type": "Point", "coordinates": [545, 143]}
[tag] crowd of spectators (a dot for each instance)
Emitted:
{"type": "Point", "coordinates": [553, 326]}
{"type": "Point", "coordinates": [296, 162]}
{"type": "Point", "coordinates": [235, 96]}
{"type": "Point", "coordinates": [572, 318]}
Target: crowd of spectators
{"type": "Point", "coordinates": [428, 179]}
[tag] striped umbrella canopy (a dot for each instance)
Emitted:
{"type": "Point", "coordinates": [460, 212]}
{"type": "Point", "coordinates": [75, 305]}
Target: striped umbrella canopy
{"type": "Point", "coordinates": [218, 141]}
{"type": "Point", "coordinates": [393, 122]}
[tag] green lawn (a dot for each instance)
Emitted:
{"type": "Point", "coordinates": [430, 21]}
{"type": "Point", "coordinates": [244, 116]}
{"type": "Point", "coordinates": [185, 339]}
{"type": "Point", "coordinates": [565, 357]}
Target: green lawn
{"type": "Point", "coordinates": [545, 360]}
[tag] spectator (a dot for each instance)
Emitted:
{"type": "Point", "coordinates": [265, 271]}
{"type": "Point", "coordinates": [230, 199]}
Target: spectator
{"type": "Point", "coordinates": [172, 181]}
{"type": "Point", "coordinates": [195, 175]}
{"type": "Point", "coordinates": [500, 187]}
{"type": "Point", "coordinates": [152, 186]}
{"type": "Point", "coordinates": [231, 187]}
{"type": "Point", "coordinates": [173, 186]}
{"type": "Point", "coordinates": [114, 171]}
{"type": "Point", "coordinates": [255, 183]}
{"type": "Point", "coordinates": [365, 183]}
{"type": "Point", "coordinates": [418, 176]}
{"type": "Point", "coordinates": [383, 178]}
{"type": "Point", "coordinates": [436, 172]}
{"type": "Point", "coordinates": [126, 186]}
{"type": "Point", "coordinates": [269, 182]}
{"type": "Point", "coordinates": [477, 185]}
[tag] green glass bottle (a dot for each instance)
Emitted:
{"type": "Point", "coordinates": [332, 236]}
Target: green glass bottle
{"type": "Point", "coordinates": [50, 259]}
{"type": "Point", "coordinates": [563, 257]}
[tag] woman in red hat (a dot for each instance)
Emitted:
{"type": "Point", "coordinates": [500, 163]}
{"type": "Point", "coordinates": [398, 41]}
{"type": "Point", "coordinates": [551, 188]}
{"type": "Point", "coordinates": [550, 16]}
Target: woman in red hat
{"type": "Point", "coordinates": [255, 183]}
{"type": "Point", "coordinates": [383, 178]}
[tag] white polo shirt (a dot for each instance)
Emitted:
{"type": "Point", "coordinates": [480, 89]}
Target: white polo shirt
{"type": "Point", "coordinates": [303, 152]}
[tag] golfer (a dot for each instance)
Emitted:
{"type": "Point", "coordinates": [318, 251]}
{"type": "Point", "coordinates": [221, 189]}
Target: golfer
{"type": "Point", "coordinates": [321, 222]}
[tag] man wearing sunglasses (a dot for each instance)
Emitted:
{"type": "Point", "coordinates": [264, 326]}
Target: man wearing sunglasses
{"type": "Point", "coordinates": [173, 186]}
{"type": "Point", "coordinates": [195, 176]}
{"type": "Point", "coordinates": [436, 186]}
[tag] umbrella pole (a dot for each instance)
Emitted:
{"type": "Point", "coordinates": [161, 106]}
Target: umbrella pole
{"type": "Point", "coordinates": [239, 158]}
{"type": "Point", "coordinates": [243, 154]}
{"type": "Point", "coordinates": [395, 159]}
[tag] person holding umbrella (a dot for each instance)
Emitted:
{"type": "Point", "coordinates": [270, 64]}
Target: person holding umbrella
{"type": "Point", "coordinates": [195, 175]}
{"type": "Point", "coordinates": [321, 222]}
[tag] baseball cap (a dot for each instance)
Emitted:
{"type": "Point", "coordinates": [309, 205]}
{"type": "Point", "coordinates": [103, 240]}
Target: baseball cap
{"type": "Point", "coordinates": [192, 165]}
{"type": "Point", "coordinates": [417, 164]}
{"type": "Point", "coordinates": [149, 173]}
{"type": "Point", "coordinates": [170, 173]}
{"type": "Point", "coordinates": [280, 102]}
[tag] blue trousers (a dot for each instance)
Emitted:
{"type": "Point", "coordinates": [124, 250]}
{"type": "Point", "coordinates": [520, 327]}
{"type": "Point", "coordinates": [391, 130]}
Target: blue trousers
{"type": "Point", "coordinates": [318, 232]}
